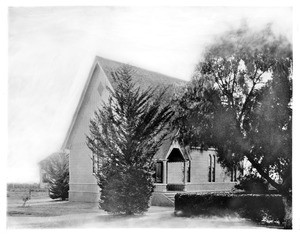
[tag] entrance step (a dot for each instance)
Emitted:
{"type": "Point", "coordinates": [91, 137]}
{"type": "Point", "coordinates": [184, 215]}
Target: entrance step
{"type": "Point", "coordinates": [171, 196]}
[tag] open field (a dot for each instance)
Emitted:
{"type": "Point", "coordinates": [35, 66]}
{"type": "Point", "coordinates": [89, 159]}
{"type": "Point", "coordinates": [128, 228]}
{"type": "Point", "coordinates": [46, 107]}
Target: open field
{"type": "Point", "coordinates": [43, 212]}
{"type": "Point", "coordinates": [15, 196]}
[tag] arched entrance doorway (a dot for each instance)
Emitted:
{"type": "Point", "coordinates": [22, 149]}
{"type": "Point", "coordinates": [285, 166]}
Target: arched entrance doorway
{"type": "Point", "coordinates": [175, 167]}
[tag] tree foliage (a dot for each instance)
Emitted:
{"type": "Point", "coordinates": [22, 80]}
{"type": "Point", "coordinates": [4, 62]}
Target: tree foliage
{"type": "Point", "coordinates": [57, 175]}
{"type": "Point", "coordinates": [239, 102]}
{"type": "Point", "coordinates": [125, 133]}
{"type": "Point", "coordinates": [252, 183]}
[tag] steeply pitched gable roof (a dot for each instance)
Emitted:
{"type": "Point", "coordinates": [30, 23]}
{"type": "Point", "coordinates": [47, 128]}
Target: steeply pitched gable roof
{"type": "Point", "coordinates": [165, 148]}
{"type": "Point", "coordinates": [143, 78]}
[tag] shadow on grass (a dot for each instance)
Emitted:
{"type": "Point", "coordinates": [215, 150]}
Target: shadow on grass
{"type": "Point", "coordinates": [26, 213]}
{"type": "Point", "coordinates": [111, 217]}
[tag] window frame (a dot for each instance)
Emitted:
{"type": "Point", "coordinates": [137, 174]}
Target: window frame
{"type": "Point", "coordinates": [156, 179]}
{"type": "Point", "coordinates": [212, 168]}
{"type": "Point", "coordinates": [188, 179]}
{"type": "Point", "coordinates": [233, 174]}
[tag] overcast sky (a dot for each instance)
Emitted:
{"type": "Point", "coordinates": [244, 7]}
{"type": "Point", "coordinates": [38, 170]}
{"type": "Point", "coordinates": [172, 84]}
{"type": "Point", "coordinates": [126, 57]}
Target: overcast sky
{"type": "Point", "coordinates": [51, 51]}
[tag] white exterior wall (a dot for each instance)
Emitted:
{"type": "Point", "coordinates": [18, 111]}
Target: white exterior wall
{"type": "Point", "coordinates": [199, 161]}
{"type": "Point", "coordinates": [199, 173]}
{"type": "Point", "coordinates": [200, 164]}
{"type": "Point", "coordinates": [83, 185]}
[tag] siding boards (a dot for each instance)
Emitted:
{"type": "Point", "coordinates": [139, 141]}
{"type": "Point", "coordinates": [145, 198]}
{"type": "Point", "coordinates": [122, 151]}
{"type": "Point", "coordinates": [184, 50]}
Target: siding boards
{"type": "Point", "coordinates": [200, 168]}
{"type": "Point", "coordinates": [83, 185]}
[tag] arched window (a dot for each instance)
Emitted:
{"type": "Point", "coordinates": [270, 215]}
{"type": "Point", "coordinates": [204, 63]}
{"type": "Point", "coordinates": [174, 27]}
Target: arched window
{"type": "Point", "coordinates": [212, 168]}
{"type": "Point", "coordinates": [188, 171]}
{"type": "Point", "coordinates": [233, 177]}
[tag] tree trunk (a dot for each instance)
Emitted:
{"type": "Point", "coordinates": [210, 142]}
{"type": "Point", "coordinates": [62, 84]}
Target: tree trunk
{"type": "Point", "coordinates": [286, 197]}
{"type": "Point", "coordinates": [288, 219]}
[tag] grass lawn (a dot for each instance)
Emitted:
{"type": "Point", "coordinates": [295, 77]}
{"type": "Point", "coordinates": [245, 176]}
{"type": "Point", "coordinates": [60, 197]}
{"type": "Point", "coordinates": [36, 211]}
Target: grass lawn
{"type": "Point", "coordinates": [15, 196]}
{"type": "Point", "coordinates": [41, 205]}
{"type": "Point", "coordinates": [43, 212]}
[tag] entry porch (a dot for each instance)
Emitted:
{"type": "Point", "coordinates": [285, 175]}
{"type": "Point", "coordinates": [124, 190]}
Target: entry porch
{"type": "Point", "coordinates": [178, 172]}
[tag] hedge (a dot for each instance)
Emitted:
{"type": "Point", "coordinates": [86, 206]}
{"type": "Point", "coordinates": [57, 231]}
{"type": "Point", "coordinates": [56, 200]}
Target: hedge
{"type": "Point", "coordinates": [252, 206]}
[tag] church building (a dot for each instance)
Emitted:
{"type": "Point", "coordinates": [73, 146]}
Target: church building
{"type": "Point", "coordinates": [178, 169]}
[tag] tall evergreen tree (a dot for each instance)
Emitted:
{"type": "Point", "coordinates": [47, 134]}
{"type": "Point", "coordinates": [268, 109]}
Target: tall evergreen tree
{"type": "Point", "coordinates": [125, 134]}
{"type": "Point", "coordinates": [57, 175]}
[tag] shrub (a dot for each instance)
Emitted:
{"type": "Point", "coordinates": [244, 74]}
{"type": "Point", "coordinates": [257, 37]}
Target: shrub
{"type": "Point", "coordinates": [252, 184]}
{"type": "Point", "coordinates": [252, 206]}
{"type": "Point", "coordinates": [57, 168]}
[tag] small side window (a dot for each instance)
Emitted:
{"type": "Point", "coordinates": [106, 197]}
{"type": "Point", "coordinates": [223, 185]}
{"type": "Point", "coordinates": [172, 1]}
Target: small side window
{"type": "Point", "coordinates": [189, 171]}
{"type": "Point", "coordinates": [212, 168]}
{"type": "Point", "coordinates": [233, 177]}
{"type": "Point", "coordinates": [159, 172]}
